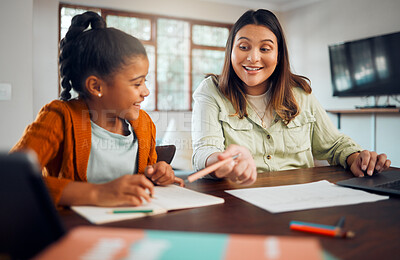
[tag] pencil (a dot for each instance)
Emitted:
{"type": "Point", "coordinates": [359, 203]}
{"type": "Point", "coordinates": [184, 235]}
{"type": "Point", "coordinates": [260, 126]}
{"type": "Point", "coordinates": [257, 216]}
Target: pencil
{"type": "Point", "coordinates": [209, 169]}
{"type": "Point", "coordinates": [326, 230]}
{"type": "Point", "coordinates": [340, 223]}
{"type": "Point", "coordinates": [117, 211]}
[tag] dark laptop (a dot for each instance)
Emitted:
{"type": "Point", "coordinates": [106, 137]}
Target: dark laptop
{"type": "Point", "coordinates": [28, 219]}
{"type": "Point", "coordinates": [387, 182]}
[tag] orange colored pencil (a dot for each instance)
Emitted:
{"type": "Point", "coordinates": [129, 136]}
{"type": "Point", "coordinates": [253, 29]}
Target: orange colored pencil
{"type": "Point", "coordinates": [332, 231]}
{"type": "Point", "coordinates": [209, 169]}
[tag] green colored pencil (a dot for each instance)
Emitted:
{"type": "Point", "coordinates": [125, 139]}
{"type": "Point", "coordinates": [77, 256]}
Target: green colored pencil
{"type": "Point", "coordinates": [117, 211]}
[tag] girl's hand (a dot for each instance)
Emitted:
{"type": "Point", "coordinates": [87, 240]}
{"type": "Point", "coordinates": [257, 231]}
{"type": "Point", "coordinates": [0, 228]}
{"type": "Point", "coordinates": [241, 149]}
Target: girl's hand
{"type": "Point", "coordinates": [161, 173]}
{"type": "Point", "coordinates": [242, 170]}
{"type": "Point", "coordinates": [127, 190]}
{"type": "Point", "coordinates": [367, 162]}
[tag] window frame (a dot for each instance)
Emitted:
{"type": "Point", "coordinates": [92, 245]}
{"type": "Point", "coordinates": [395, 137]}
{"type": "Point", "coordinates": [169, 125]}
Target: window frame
{"type": "Point", "coordinates": [153, 39]}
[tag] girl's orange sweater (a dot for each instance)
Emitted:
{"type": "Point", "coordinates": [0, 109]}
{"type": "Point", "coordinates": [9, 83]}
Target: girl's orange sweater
{"type": "Point", "coordinates": [61, 138]}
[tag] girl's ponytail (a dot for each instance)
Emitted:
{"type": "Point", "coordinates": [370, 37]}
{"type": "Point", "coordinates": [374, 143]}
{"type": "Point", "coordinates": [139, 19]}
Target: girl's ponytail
{"type": "Point", "coordinates": [67, 58]}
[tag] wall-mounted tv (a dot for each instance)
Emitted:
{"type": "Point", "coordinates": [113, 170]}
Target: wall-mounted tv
{"type": "Point", "coordinates": [366, 67]}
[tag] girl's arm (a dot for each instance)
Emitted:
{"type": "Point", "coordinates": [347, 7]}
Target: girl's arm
{"type": "Point", "coordinates": [127, 190]}
{"type": "Point", "coordinates": [45, 135]}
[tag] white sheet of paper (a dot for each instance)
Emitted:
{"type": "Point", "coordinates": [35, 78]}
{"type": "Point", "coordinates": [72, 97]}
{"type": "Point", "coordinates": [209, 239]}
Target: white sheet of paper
{"type": "Point", "coordinates": [303, 196]}
{"type": "Point", "coordinates": [171, 197]}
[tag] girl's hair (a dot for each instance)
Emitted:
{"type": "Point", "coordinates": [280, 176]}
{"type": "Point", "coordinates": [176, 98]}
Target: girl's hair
{"type": "Point", "coordinates": [280, 83]}
{"type": "Point", "coordinates": [98, 51]}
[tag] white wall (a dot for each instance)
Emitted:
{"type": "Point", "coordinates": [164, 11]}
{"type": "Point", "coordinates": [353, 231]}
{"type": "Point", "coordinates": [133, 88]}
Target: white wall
{"type": "Point", "coordinates": [311, 29]}
{"type": "Point", "coordinates": [15, 68]}
{"type": "Point", "coordinates": [45, 53]}
{"type": "Point", "coordinates": [192, 9]}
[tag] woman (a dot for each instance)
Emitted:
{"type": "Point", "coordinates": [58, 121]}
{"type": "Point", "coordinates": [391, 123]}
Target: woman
{"type": "Point", "coordinates": [259, 109]}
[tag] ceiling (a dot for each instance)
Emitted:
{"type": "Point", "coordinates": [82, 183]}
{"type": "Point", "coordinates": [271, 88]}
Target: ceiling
{"type": "Point", "coordinates": [274, 5]}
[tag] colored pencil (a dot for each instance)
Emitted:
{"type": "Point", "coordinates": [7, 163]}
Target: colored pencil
{"type": "Point", "coordinates": [340, 223]}
{"type": "Point", "coordinates": [117, 211]}
{"type": "Point", "coordinates": [326, 230]}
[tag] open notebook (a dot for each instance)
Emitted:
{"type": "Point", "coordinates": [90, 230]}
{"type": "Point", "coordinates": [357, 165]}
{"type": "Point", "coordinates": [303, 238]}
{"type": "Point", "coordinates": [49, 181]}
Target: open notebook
{"type": "Point", "coordinates": [166, 198]}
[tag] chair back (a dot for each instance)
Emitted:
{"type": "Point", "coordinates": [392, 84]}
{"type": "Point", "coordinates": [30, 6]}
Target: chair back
{"type": "Point", "coordinates": [165, 153]}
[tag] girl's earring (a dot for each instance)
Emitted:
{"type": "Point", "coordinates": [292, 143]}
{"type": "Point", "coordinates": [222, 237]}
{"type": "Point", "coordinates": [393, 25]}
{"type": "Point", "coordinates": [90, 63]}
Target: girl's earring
{"type": "Point", "coordinates": [99, 94]}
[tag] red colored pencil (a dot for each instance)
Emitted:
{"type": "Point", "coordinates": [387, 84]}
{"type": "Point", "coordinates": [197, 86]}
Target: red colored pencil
{"type": "Point", "coordinates": [332, 231]}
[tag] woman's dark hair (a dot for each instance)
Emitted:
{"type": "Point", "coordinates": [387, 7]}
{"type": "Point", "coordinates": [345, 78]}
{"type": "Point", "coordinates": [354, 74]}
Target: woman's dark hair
{"type": "Point", "coordinates": [280, 83]}
{"type": "Point", "coordinates": [98, 51]}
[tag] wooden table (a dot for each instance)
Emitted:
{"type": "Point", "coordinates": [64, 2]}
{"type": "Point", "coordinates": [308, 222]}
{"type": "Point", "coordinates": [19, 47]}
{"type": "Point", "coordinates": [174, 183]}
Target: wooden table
{"type": "Point", "coordinates": [377, 224]}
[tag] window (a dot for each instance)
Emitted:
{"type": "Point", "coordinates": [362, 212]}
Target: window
{"type": "Point", "coordinates": [208, 51]}
{"type": "Point", "coordinates": [66, 14]}
{"type": "Point", "coordinates": [180, 51]}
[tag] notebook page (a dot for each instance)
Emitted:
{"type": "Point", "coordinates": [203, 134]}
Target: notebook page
{"type": "Point", "coordinates": [171, 197]}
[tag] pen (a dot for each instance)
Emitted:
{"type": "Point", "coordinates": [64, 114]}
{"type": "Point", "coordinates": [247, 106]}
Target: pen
{"type": "Point", "coordinates": [326, 230]}
{"type": "Point", "coordinates": [210, 169]}
{"type": "Point", "coordinates": [117, 211]}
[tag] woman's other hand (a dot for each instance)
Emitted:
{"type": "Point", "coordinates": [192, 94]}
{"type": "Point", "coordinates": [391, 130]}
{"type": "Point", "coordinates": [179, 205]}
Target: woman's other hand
{"type": "Point", "coordinates": [367, 162]}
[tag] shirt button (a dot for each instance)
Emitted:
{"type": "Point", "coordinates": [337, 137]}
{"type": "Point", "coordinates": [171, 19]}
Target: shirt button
{"type": "Point", "coordinates": [268, 137]}
{"type": "Point", "coordinates": [269, 157]}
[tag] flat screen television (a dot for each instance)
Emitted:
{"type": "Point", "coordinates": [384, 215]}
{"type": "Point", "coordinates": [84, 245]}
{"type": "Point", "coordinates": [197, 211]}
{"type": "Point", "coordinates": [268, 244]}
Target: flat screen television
{"type": "Point", "coordinates": [366, 67]}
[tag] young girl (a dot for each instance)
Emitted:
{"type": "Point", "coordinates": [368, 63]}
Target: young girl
{"type": "Point", "coordinates": [259, 109]}
{"type": "Point", "coordinates": [90, 147]}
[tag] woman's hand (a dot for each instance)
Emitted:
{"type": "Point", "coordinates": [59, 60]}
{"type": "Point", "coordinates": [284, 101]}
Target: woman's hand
{"type": "Point", "coordinates": [242, 170]}
{"type": "Point", "coordinates": [161, 173]}
{"type": "Point", "coordinates": [367, 162]}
